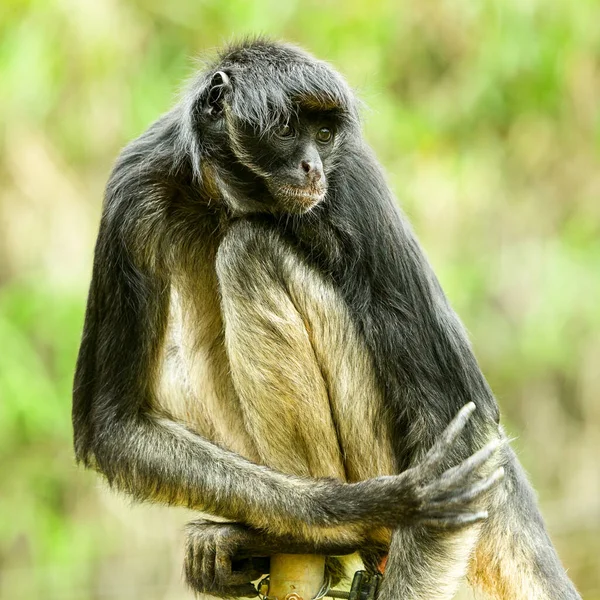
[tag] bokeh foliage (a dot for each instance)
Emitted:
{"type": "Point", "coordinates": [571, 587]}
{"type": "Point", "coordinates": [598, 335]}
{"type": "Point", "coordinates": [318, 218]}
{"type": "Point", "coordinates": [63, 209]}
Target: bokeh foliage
{"type": "Point", "coordinates": [486, 117]}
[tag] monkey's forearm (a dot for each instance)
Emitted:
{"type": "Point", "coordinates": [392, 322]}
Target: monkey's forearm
{"type": "Point", "coordinates": [160, 460]}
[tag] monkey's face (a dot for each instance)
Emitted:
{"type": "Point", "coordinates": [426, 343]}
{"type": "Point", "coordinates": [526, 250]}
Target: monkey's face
{"type": "Point", "coordinates": [293, 160]}
{"type": "Point", "coordinates": [280, 166]}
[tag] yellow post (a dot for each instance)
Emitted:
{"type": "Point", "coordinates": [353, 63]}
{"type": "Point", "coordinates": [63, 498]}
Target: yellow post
{"type": "Point", "coordinates": [296, 576]}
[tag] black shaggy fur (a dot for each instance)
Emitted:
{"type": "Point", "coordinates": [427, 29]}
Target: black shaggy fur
{"type": "Point", "coordinates": [174, 196]}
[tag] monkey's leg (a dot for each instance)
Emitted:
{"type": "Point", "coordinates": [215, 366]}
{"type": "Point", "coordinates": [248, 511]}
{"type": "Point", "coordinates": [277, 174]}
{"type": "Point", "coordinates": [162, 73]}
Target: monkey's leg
{"type": "Point", "coordinates": [426, 565]}
{"type": "Point", "coordinates": [302, 372]}
{"type": "Point", "coordinates": [122, 430]}
{"type": "Point", "coordinates": [509, 556]}
{"type": "Point", "coordinates": [514, 558]}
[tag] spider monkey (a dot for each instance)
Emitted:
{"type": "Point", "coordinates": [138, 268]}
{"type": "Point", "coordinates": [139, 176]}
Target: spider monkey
{"type": "Point", "coordinates": [265, 341]}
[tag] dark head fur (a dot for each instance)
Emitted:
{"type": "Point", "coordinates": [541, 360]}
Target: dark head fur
{"type": "Point", "coordinates": [271, 80]}
{"type": "Point", "coordinates": [258, 85]}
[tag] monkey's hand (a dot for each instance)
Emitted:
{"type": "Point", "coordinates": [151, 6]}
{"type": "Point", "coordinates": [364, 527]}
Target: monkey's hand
{"type": "Point", "coordinates": [218, 558]}
{"type": "Point", "coordinates": [450, 500]}
{"type": "Point", "coordinates": [209, 559]}
{"type": "Point", "coordinates": [432, 497]}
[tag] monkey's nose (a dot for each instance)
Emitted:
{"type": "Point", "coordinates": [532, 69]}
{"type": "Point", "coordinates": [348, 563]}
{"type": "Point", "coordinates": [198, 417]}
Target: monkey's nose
{"type": "Point", "coordinates": [311, 170]}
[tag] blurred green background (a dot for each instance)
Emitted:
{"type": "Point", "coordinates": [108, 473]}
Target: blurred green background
{"type": "Point", "coordinates": [486, 117]}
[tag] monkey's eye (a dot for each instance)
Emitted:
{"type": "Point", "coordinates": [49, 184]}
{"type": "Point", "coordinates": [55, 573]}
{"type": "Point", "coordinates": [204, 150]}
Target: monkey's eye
{"type": "Point", "coordinates": [285, 131]}
{"type": "Point", "coordinates": [324, 135]}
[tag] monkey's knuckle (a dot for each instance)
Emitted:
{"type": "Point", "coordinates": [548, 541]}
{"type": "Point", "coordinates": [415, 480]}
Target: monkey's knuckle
{"type": "Point", "coordinates": [223, 553]}
{"type": "Point", "coordinates": [421, 491]}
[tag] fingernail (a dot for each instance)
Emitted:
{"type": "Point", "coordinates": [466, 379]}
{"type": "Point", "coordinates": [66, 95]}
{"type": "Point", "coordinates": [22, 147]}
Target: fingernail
{"type": "Point", "coordinates": [470, 407]}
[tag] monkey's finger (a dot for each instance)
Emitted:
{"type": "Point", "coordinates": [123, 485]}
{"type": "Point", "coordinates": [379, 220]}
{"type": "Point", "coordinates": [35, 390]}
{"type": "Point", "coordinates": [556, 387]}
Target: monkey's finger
{"type": "Point", "coordinates": [450, 521]}
{"type": "Point", "coordinates": [208, 566]}
{"type": "Point", "coordinates": [223, 570]}
{"type": "Point", "coordinates": [456, 476]}
{"type": "Point", "coordinates": [193, 570]}
{"type": "Point", "coordinates": [193, 565]}
{"type": "Point", "coordinates": [454, 429]}
{"type": "Point", "coordinates": [449, 435]}
{"type": "Point", "coordinates": [473, 492]}
{"type": "Point", "coordinates": [189, 561]}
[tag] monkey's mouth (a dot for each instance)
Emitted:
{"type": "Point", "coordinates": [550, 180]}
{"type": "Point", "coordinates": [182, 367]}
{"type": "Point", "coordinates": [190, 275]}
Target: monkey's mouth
{"type": "Point", "coordinates": [303, 198]}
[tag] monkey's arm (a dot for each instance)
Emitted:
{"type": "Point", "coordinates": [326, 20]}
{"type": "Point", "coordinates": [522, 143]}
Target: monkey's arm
{"type": "Point", "coordinates": [120, 430]}
{"type": "Point", "coordinates": [427, 368]}
{"type": "Point", "coordinates": [216, 560]}
{"type": "Point", "coordinates": [511, 554]}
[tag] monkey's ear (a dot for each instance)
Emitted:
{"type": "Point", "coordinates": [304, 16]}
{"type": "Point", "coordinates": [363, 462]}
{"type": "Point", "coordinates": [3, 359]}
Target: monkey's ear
{"type": "Point", "coordinates": [220, 84]}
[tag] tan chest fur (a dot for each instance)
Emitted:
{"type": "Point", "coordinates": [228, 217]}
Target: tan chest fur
{"type": "Point", "coordinates": [285, 382]}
